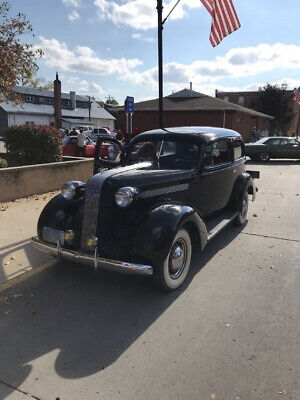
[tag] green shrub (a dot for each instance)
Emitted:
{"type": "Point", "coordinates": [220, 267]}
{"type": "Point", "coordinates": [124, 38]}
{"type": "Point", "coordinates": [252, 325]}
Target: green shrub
{"type": "Point", "coordinates": [3, 163]}
{"type": "Point", "coordinates": [33, 144]}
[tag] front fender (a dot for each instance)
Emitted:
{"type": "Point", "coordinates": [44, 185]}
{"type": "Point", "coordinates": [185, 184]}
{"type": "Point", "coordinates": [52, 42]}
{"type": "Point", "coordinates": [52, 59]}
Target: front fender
{"type": "Point", "coordinates": [155, 236]}
{"type": "Point", "coordinates": [62, 214]}
{"type": "Point", "coordinates": [243, 184]}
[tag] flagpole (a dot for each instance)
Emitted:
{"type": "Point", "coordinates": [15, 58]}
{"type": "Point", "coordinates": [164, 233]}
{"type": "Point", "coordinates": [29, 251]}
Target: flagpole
{"type": "Point", "coordinates": [160, 61]}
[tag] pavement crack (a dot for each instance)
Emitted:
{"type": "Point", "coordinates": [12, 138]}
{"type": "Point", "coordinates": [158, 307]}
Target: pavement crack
{"type": "Point", "coordinates": [271, 237]}
{"type": "Point", "coordinates": [19, 390]}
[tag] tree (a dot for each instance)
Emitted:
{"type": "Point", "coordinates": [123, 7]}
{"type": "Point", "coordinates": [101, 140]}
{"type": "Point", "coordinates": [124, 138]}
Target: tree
{"type": "Point", "coordinates": [275, 101]}
{"type": "Point", "coordinates": [17, 59]}
{"type": "Point", "coordinates": [111, 100]}
{"type": "Point", "coordinates": [37, 82]}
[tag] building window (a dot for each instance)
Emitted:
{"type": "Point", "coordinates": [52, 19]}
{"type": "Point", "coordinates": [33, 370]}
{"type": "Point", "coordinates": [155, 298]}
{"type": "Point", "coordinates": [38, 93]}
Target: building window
{"type": "Point", "coordinates": [241, 100]}
{"type": "Point", "coordinates": [29, 99]}
{"type": "Point", "coordinates": [29, 122]}
{"type": "Point", "coordinates": [226, 98]}
{"type": "Point", "coordinates": [50, 101]}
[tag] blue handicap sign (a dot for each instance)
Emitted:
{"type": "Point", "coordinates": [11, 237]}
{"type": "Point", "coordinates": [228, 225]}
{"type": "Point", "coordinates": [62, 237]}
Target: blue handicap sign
{"type": "Point", "coordinates": [129, 105]}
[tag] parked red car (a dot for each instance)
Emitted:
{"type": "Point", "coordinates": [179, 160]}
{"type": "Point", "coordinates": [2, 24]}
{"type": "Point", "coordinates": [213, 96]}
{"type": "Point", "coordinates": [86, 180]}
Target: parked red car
{"type": "Point", "coordinates": [70, 147]}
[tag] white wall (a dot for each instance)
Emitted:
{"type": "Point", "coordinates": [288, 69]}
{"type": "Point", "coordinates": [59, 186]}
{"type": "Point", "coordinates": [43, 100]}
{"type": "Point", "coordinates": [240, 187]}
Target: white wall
{"type": "Point", "coordinates": [20, 119]}
{"type": "Point", "coordinates": [101, 123]}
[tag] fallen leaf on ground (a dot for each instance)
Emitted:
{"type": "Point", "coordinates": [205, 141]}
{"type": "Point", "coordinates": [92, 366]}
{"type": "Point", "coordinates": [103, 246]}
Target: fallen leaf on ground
{"type": "Point", "coordinates": [16, 295]}
{"type": "Point", "coordinates": [212, 396]}
{"type": "Point", "coordinates": [3, 208]}
{"type": "Point", "coordinates": [13, 257]}
{"type": "Point", "coordinates": [6, 263]}
{"type": "Point", "coordinates": [254, 215]}
{"type": "Point", "coordinates": [272, 267]}
{"type": "Point", "coordinates": [227, 325]}
{"type": "Point", "coordinates": [7, 312]}
{"type": "Point", "coordinates": [4, 300]}
{"type": "Point", "coordinates": [281, 391]}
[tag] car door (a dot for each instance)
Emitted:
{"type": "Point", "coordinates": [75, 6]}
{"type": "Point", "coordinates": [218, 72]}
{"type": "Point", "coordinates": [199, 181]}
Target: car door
{"type": "Point", "coordinates": [89, 148]}
{"type": "Point", "coordinates": [291, 149]}
{"type": "Point", "coordinates": [215, 181]}
{"type": "Point", "coordinates": [71, 148]}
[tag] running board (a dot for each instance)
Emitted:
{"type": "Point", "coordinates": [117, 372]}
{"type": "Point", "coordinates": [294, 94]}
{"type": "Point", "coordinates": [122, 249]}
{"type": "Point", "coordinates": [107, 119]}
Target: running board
{"type": "Point", "coordinates": [216, 224]}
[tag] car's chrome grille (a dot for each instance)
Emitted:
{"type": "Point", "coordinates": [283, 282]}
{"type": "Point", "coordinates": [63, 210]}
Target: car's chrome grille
{"type": "Point", "coordinates": [91, 207]}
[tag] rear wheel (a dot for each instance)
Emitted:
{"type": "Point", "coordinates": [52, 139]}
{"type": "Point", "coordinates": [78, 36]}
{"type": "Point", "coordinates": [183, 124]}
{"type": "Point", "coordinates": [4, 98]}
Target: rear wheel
{"type": "Point", "coordinates": [241, 218]}
{"type": "Point", "coordinates": [171, 272]}
{"type": "Point", "coordinates": [265, 156]}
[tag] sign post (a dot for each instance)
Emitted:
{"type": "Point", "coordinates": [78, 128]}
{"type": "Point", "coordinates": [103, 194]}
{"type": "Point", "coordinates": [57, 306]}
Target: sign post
{"type": "Point", "coordinates": [129, 110]}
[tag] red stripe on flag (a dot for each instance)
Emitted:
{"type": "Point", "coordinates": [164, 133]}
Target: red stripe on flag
{"type": "Point", "coordinates": [224, 19]}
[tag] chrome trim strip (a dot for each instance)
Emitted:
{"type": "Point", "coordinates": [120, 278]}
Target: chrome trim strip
{"type": "Point", "coordinates": [92, 260]}
{"type": "Point", "coordinates": [166, 190]}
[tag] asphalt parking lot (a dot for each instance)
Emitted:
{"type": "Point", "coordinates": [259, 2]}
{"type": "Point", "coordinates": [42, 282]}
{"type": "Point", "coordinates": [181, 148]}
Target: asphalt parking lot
{"type": "Point", "coordinates": [231, 333]}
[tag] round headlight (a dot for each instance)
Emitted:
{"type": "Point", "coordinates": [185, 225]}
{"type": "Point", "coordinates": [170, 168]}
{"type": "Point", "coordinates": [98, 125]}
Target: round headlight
{"type": "Point", "coordinates": [68, 190]}
{"type": "Point", "coordinates": [125, 196]}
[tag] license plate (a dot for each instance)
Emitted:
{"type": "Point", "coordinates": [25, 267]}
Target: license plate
{"type": "Point", "coordinates": [52, 235]}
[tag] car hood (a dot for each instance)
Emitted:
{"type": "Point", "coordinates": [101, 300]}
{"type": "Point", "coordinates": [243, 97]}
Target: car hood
{"type": "Point", "coordinates": [149, 176]}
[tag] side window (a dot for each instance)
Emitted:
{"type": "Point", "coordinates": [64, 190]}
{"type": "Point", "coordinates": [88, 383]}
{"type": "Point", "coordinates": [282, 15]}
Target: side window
{"type": "Point", "coordinates": [274, 142]}
{"type": "Point", "coordinates": [73, 141]}
{"type": "Point", "coordinates": [216, 153]}
{"type": "Point", "coordinates": [237, 149]}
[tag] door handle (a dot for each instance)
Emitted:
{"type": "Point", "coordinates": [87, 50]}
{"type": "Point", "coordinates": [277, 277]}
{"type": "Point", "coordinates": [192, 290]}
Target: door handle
{"type": "Point", "coordinates": [234, 170]}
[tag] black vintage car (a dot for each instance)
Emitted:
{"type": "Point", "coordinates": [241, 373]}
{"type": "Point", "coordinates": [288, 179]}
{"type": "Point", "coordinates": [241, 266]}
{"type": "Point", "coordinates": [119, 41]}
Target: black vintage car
{"type": "Point", "coordinates": [148, 205]}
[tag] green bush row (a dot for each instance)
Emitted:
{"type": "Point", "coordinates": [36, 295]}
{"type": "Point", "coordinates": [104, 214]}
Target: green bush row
{"type": "Point", "coordinates": [33, 144]}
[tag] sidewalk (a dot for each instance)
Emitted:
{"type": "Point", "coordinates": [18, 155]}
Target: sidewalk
{"type": "Point", "coordinates": [18, 220]}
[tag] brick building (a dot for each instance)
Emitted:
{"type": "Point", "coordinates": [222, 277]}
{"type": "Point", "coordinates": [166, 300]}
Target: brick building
{"type": "Point", "coordinates": [249, 98]}
{"type": "Point", "coordinates": [190, 108]}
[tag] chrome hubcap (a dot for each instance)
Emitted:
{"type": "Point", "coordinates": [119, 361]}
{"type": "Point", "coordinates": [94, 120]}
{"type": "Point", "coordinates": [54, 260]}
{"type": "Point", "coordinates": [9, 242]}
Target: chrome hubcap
{"type": "Point", "coordinates": [244, 208]}
{"type": "Point", "coordinates": [264, 156]}
{"type": "Point", "coordinates": [177, 258]}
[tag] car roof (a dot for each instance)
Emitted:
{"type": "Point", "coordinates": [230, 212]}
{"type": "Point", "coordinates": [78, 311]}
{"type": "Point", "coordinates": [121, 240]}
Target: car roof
{"type": "Point", "coordinates": [204, 132]}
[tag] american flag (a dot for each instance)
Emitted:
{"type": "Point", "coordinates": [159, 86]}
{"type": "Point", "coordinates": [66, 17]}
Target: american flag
{"type": "Point", "coordinates": [224, 19]}
{"type": "Point", "coordinates": [297, 95]}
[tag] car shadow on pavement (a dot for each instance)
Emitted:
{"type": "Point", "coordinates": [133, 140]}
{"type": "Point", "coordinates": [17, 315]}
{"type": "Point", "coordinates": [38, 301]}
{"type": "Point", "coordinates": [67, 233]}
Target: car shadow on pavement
{"type": "Point", "coordinates": [90, 318]}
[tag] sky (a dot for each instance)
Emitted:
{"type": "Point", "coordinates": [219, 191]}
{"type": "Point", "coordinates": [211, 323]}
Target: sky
{"type": "Point", "coordinates": [109, 47]}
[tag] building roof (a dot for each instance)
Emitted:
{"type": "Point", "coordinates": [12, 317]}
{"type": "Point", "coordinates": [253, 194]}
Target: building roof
{"type": "Point", "coordinates": [190, 100]}
{"type": "Point", "coordinates": [205, 132]}
{"type": "Point", "coordinates": [78, 121]}
{"type": "Point", "coordinates": [97, 111]}
{"type": "Point", "coordinates": [44, 93]}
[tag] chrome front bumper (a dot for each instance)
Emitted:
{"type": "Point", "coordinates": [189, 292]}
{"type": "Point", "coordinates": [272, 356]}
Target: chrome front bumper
{"type": "Point", "coordinates": [92, 260]}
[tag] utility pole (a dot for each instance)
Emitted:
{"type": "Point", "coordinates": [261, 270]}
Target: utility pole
{"type": "Point", "coordinates": [160, 62]}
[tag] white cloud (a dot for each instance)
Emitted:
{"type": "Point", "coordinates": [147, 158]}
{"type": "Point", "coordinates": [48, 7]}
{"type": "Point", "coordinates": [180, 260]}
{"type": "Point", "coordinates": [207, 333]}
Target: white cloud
{"type": "Point", "coordinates": [73, 16]}
{"type": "Point", "coordinates": [85, 87]}
{"type": "Point", "coordinates": [143, 38]}
{"type": "Point", "coordinates": [83, 59]}
{"type": "Point", "coordinates": [141, 14]}
{"type": "Point", "coordinates": [236, 63]}
{"type": "Point", "coordinates": [72, 3]}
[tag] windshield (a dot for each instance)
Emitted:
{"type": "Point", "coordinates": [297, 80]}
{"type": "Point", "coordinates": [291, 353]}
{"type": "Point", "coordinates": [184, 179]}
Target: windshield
{"type": "Point", "coordinates": [263, 140]}
{"type": "Point", "coordinates": [167, 154]}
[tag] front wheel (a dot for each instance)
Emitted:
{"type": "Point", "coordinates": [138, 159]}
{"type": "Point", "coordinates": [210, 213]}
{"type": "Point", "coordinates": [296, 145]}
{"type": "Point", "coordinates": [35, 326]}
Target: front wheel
{"type": "Point", "coordinates": [171, 273]}
{"type": "Point", "coordinates": [241, 218]}
{"type": "Point", "coordinates": [265, 156]}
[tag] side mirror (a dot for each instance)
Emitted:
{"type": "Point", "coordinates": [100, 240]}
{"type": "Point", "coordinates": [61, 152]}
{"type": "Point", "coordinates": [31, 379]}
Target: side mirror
{"type": "Point", "coordinates": [108, 153]}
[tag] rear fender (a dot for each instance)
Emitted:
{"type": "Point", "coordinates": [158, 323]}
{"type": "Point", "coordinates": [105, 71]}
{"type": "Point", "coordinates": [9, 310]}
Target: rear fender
{"type": "Point", "coordinates": [244, 184]}
{"type": "Point", "coordinates": [155, 236]}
